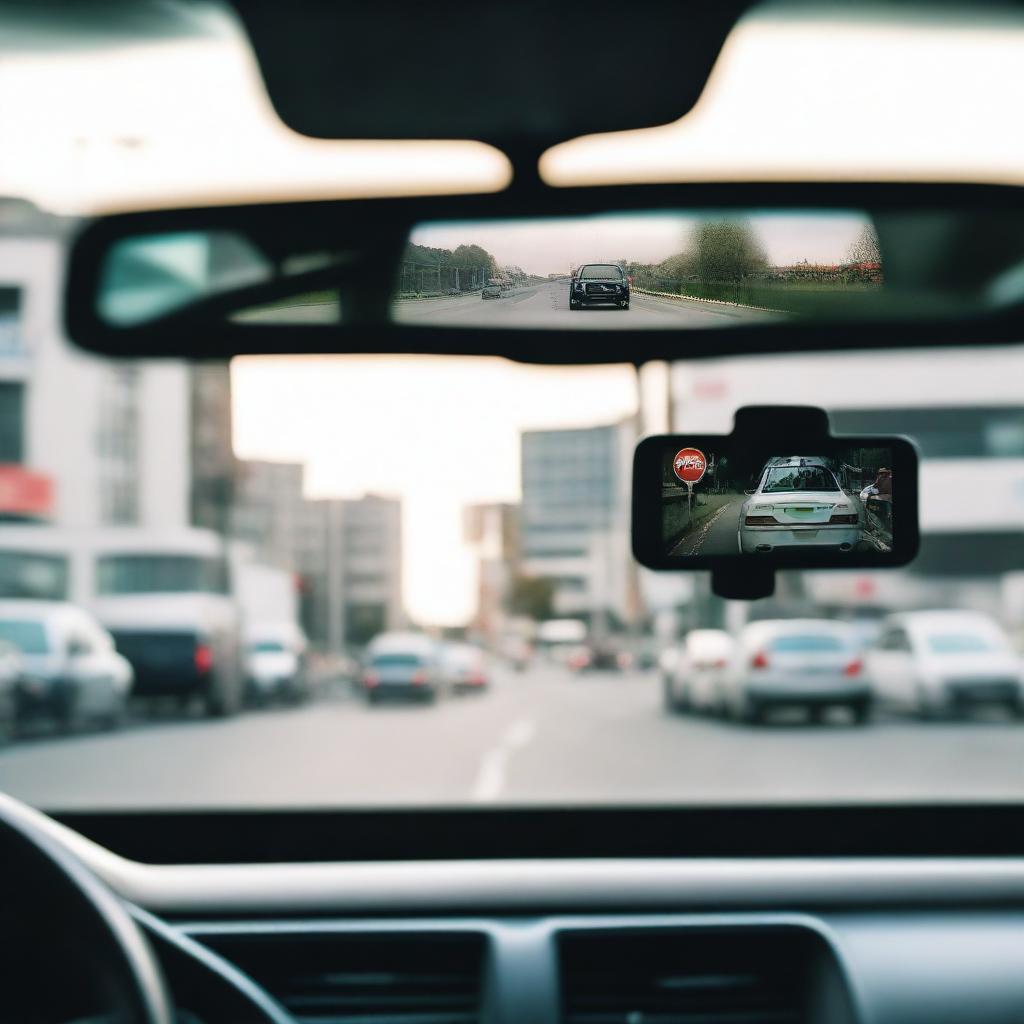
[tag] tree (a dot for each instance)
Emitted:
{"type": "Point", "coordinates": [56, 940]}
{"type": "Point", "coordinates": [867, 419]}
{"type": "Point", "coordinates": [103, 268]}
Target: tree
{"type": "Point", "coordinates": [726, 250]}
{"type": "Point", "coordinates": [532, 596]}
{"type": "Point", "coordinates": [865, 247]}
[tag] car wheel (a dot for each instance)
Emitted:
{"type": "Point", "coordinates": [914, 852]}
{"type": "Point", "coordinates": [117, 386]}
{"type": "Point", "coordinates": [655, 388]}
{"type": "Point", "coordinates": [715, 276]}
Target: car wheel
{"type": "Point", "coordinates": [861, 712]}
{"type": "Point", "coordinates": [624, 305]}
{"type": "Point", "coordinates": [222, 699]}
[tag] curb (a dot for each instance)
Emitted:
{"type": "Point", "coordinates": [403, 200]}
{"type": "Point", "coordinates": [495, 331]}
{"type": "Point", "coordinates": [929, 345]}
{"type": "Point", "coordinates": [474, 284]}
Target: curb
{"type": "Point", "coordinates": [713, 302]}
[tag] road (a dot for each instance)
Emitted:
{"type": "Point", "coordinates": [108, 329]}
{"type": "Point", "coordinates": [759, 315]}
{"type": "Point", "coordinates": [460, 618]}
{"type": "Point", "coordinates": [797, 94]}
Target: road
{"type": "Point", "coordinates": [716, 535]}
{"type": "Point", "coordinates": [540, 737]}
{"type": "Point", "coordinates": [547, 305]}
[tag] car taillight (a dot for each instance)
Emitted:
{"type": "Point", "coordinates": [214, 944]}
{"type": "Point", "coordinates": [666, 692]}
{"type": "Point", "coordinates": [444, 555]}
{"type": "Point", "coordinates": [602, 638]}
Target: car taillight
{"type": "Point", "coordinates": [760, 660]}
{"type": "Point", "coordinates": [370, 680]}
{"type": "Point", "coordinates": [203, 658]}
{"type": "Point", "coordinates": [721, 663]}
{"type": "Point", "coordinates": [419, 677]}
{"type": "Point", "coordinates": [760, 521]}
{"type": "Point", "coordinates": [854, 668]}
{"type": "Point", "coordinates": [843, 520]}
{"type": "Point", "coordinates": [477, 679]}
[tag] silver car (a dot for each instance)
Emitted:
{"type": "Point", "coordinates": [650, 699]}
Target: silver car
{"type": "Point", "coordinates": [798, 503]}
{"type": "Point", "coordinates": [811, 664]}
{"type": "Point", "coordinates": [491, 290]}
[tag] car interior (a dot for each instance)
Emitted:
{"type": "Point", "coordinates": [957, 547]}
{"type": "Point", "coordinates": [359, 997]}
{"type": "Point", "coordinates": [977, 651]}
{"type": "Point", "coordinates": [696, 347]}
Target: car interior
{"type": "Point", "coordinates": [790, 390]}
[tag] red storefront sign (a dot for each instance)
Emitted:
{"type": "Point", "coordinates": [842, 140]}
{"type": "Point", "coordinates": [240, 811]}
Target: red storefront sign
{"type": "Point", "coordinates": [24, 493]}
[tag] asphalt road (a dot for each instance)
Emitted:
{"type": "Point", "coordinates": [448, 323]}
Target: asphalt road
{"type": "Point", "coordinates": [548, 305]}
{"type": "Point", "coordinates": [716, 535]}
{"type": "Point", "coordinates": [540, 737]}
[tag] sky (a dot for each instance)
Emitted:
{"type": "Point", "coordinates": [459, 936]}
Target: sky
{"type": "Point", "coordinates": [99, 129]}
{"type": "Point", "coordinates": [440, 433]}
{"type": "Point", "coordinates": [547, 247]}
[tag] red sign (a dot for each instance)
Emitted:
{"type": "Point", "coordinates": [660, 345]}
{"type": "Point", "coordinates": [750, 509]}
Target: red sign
{"type": "Point", "coordinates": [689, 465]}
{"type": "Point", "coordinates": [25, 494]}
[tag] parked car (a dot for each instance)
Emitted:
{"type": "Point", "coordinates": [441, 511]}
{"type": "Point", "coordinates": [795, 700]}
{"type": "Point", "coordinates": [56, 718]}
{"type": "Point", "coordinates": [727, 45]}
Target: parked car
{"type": "Point", "coordinates": [406, 665]}
{"type": "Point", "coordinates": [464, 668]}
{"type": "Point", "coordinates": [599, 284]}
{"type": "Point", "coordinates": [11, 670]}
{"type": "Point", "coordinates": [491, 290]}
{"type": "Point", "coordinates": [275, 664]}
{"type": "Point", "coordinates": [693, 677]}
{"type": "Point", "coordinates": [798, 502]}
{"type": "Point", "coordinates": [813, 664]}
{"type": "Point", "coordinates": [945, 662]}
{"type": "Point", "coordinates": [71, 671]}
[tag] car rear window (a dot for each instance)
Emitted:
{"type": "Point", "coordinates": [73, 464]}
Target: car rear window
{"type": "Point", "coordinates": [267, 647]}
{"type": "Point", "coordinates": [792, 478]}
{"type": "Point", "coordinates": [397, 660]}
{"type": "Point", "coordinates": [961, 643]}
{"type": "Point", "coordinates": [29, 637]}
{"type": "Point", "coordinates": [807, 644]}
{"type": "Point", "coordinates": [600, 271]}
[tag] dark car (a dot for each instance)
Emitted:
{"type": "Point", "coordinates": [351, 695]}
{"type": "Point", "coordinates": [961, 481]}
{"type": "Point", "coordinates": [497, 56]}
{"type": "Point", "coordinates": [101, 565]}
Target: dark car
{"type": "Point", "coordinates": [599, 284]}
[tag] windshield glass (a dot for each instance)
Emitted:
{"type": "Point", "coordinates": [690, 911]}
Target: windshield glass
{"type": "Point", "coordinates": [158, 574]}
{"type": "Point", "coordinates": [28, 637]}
{"type": "Point", "coordinates": [807, 643]}
{"type": "Point", "coordinates": [961, 643]}
{"type": "Point", "coordinates": [598, 272]}
{"type": "Point", "coordinates": [784, 478]}
{"type": "Point", "coordinates": [369, 511]}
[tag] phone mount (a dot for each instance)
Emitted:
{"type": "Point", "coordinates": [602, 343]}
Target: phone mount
{"type": "Point", "coordinates": [781, 425]}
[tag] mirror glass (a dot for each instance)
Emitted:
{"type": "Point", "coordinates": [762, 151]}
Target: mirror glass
{"type": "Point", "coordinates": [664, 269]}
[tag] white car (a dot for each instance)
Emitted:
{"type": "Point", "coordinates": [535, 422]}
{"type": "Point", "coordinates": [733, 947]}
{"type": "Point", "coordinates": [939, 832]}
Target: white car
{"type": "Point", "coordinates": [464, 667]}
{"type": "Point", "coordinates": [812, 664]}
{"type": "Point", "coordinates": [942, 662]}
{"type": "Point", "coordinates": [71, 670]}
{"type": "Point", "coordinates": [11, 669]}
{"type": "Point", "coordinates": [798, 503]}
{"type": "Point", "coordinates": [275, 664]}
{"type": "Point", "coordinates": [693, 674]}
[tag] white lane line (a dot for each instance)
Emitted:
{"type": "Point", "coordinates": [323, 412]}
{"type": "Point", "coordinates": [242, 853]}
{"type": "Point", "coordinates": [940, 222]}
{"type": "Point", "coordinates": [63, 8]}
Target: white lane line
{"type": "Point", "coordinates": [490, 779]}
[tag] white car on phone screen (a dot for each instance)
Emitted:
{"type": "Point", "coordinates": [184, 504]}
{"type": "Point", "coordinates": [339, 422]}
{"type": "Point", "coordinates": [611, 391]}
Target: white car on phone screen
{"type": "Point", "coordinates": [799, 503]}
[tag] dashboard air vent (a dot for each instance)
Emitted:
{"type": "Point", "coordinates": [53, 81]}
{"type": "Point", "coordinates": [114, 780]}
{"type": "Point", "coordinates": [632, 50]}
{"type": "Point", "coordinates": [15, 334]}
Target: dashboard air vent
{"type": "Point", "coordinates": [362, 978]}
{"type": "Point", "coordinates": [765, 975]}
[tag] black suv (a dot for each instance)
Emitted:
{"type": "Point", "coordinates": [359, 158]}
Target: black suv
{"type": "Point", "coordinates": [599, 284]}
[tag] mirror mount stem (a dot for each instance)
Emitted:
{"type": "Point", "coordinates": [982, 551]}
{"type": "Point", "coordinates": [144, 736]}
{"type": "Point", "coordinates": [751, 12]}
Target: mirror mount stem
{"type": "Point", "coordinates": [743, 584]}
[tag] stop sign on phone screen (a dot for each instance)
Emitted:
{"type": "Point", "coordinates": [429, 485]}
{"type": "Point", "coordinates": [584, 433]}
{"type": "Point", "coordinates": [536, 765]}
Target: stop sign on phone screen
{"type": "Point", "coordinates": [689, 465]}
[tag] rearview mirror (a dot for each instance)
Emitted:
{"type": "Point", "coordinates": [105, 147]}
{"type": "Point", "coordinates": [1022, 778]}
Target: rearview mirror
{"type": "Point", "coordinates": [580, 275]}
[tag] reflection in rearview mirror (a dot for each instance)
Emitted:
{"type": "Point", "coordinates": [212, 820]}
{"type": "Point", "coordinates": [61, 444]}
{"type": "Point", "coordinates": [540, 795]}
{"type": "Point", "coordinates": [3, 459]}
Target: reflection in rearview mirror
{"type": "Point", "coordinates": [666, 269]}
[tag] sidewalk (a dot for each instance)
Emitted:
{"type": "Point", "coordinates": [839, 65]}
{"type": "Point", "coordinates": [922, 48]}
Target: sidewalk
{"type": "Point", "coordinates": [675, 525]}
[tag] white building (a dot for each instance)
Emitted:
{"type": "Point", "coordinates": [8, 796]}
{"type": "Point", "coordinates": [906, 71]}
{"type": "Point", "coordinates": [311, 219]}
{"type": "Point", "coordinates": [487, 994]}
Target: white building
{"type": "Point", "coordinates": [347, 553]}
{"type": "Point", "coordinates": [112, 440]}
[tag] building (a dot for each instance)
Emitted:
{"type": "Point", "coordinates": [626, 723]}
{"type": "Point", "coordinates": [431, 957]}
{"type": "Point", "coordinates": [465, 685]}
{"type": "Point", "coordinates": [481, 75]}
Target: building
{"type": "Point", "coordinates": [346, 553]}
{"type": "Point", "coordinates": [575, 516]}
{"type": "Point", "coordinates": [493, 532]}
{"type": "Point", "coordinates": [98, 442]}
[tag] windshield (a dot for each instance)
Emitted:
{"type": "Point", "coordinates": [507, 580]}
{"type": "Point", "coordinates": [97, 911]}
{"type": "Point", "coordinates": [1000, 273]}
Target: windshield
{"type": "Point", "coordinates": [158, 574]}
{"type": "Point", "coordinates": [28, 637]}
{"type": "Point", "coordinates": [784, 478]}
{"type": "Point", "coordinates": [806, 644]}
{"type": "Point", "coordinates": [372, 510]}
{"type": "Point", "coordinates": [962, 643]}
{"type": "Point", "coordinates": [600, 272]}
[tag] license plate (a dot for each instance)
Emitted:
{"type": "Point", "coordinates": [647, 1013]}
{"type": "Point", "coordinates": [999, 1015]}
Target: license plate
{"type": "Point", "coordinates": [801, 511]}
{"type": "Point", "coordinates": [806, 535]}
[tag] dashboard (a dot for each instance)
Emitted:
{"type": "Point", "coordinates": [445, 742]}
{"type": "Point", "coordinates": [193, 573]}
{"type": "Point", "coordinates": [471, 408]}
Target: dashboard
{"type": "Point", "coordinates": [602, 940]}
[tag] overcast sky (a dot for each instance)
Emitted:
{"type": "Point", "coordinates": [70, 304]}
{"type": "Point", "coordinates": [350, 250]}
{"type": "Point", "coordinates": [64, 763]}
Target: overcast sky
{"type": "Point", "coordinates": [546, 247]}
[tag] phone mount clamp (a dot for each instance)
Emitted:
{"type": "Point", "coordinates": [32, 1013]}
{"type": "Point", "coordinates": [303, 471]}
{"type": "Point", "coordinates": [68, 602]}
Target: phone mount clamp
{"type": "Point", "coordinates": [778, 424]}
